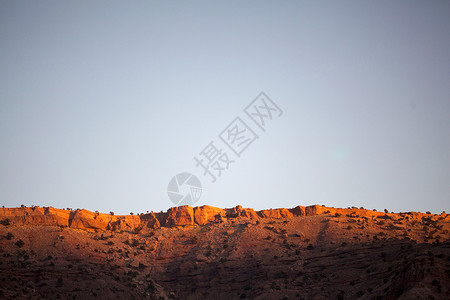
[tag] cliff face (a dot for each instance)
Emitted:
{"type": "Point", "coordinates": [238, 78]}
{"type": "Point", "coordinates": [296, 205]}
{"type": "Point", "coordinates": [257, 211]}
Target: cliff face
{"type": "Point", "coordinates": [205, 252]}
{"type": "Point", "coordinates": [174, 217]}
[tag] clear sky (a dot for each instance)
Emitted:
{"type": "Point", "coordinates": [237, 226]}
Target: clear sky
{"type": "Point", "coordinates": [103, 102]}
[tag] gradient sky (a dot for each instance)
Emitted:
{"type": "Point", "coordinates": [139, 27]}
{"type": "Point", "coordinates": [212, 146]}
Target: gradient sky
{"type": "Point", "coordinates": [103, 102]}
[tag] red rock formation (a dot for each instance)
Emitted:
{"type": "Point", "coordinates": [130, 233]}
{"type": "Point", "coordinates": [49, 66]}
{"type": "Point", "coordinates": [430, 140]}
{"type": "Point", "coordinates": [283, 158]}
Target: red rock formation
{"type": "Point", "coordinates": [313, 252]}
{"type": "Point", "coordinates": [275, 213]}
{"type": "Point", "coordinates": [315, 210]}
{"type": "Point", "coordinates": [176, 216]}
{"type": "Point", "coordinates": [36, 216]}
{"type": "Point", "coordinates": [250, 213]}
{"type": "Point", "coordinates": [84, 219]}
{"type": "Point", "coordinates": [206, 214]}
{"type": "Point", "coordinates": [180, 216]}
{"type": "Point", "coordinates": [151, 221]}
{"type": "Point", "coordinates": [233, 212]}
{"type": "Point", "coordinates": [298, 211]}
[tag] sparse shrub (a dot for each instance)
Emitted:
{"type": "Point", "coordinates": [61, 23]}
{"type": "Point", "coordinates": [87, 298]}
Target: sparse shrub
{"type": "Point", "coordinates": [19, 243]}
{"type": "Point", "coordinates": [349, 227]}
{"type": "Point", "coordinates": [194, 240]}
{"type": "Point", "coordinates": [111, 213]}
{"type": "Point", "coordinates": [393, 227]}
{"type": "Point", "coordinates": [386, 211]}
{"type": "Point", "coordinates": [110, 243]}
{"type": "Point", "coordinates": [310, 247]}
{"type": "Point", "coordinates": [62, 227]}
{"type": "Point", "coordinates": [137, 230]}
{"type": "Point", "coordinates": [134, 243]}
{"type": "Point", "coordinates": [9, 236]}
{"type": "Point", "coordinates": [337, 214]}
{"type": "Point", "coordinates": [274, 286]}
{"type": "Point", "coordinates": [5, 222]}
{"type": "Point", "coordinates": [280, 275]}
{"type": "Point", "coordinates": [151, 288]}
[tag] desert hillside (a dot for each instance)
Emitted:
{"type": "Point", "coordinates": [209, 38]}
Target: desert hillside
{"type": "Point", "coordinates": [312, 252]}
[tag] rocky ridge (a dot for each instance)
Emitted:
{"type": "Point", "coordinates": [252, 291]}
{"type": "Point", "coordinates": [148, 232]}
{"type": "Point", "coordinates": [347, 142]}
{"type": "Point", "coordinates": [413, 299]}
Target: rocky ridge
{"type": "Point", "coordinates": [312, 252]}
{"type": "Point", "coordinates": [175, 216]}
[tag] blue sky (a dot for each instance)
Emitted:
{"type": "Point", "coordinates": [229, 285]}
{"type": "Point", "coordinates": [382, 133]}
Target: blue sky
{"type": "Point", "coordinates": [102, 103]}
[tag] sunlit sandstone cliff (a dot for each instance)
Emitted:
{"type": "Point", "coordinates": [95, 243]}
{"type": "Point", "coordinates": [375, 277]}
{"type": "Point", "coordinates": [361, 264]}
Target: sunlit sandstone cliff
{"type": "Point", "coordinates": [312, 252]}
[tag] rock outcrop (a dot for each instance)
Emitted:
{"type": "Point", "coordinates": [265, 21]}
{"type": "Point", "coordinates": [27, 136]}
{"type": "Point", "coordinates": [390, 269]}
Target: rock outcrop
{"type": "Point", "coordinates": [206, 214]}
{"type": "Point", "coordinates": [180, 216]}
{"type": "Point", "coordinates": [312, 252]}
{"type": "Point", "coordinates": [174, 217]}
